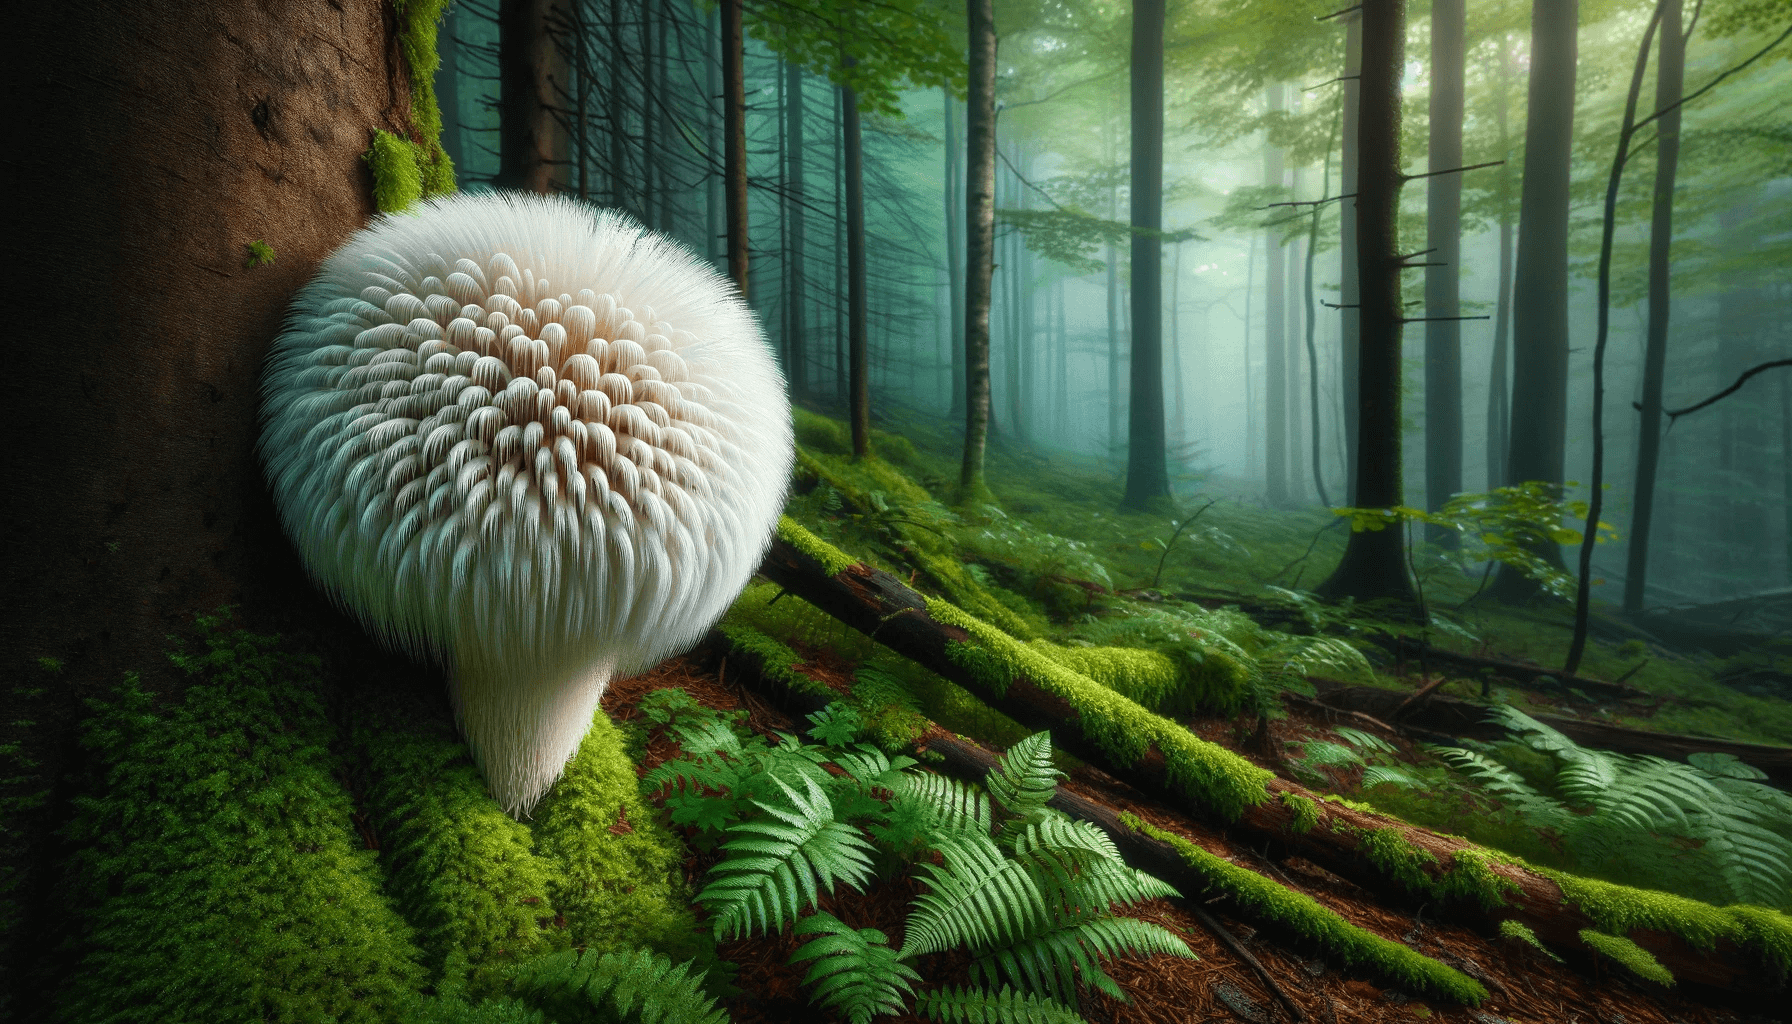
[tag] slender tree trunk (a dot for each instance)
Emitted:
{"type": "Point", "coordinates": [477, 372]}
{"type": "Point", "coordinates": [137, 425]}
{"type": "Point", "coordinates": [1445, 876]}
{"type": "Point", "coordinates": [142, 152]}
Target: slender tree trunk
{"type": "Point", "coordinates": [841, 392]}
{"type": "Point", "coordinates": [1179, 436]}
{"type": "Point", "coordinates": [980, 132]}
{"type": "Point", "coordinates": [1275, 335]}
{"type": "Point", "coordinates": [1147, 475]}
{"type": "Point", "coordinates": [1374, 563]}
{"type": "Point", "coordinates": [1499, 403]}
{"type": "Point", "coordinates": [1010, 267]}
{"type": "Point", "coordinates": [734, 131]}
{"type": "Point", "coordinates": [1291, 361]}
{"type": "Point", "coordinates": [531, 144]}
{"type": "Point", "coordinates": [1113, 261]}
{"type": "Point", "coordinates": [798, 365]}
{"type": "Point", "coordinates": [448, 84]}
{"type": "Point", "coordinates": [650, 154]}
{"type": "Point", "coordinates": [1062, 404]}
{"type": "Point", "coordinates": [659, 101]}
{"type": "Point", "coordinates": [1023, 262]}
{"type": "Point", "coordinates": [713, 176]}
{"type": "Point", "coordinates": [1540, 287]}
{"type": "Point", "coordinates": [1670, 78]}
{"type": "Point", "coordinates": [618, 61]}
{"type": "Point", "coordinates": [1325, 184]}
{"type": "Point", "coordinates": [1250, 392]}
{"type": "Point", "coordinates": [853, 146]}
{"type": "Point", "coordinates": [1443, 233]}
{"type": "Point", "coordinates": [1349, 289]}
{"type": "Point", "coordinates": [955, 251]}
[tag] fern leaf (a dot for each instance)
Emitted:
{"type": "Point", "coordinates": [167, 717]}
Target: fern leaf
{"type": "Point", "coordinates": [949, 805]}
{"type": "Point", "coordinates": [975, 1006]}
{"type": "Point", "coordinates": [1025, 779]}
{"type": "Point", "coordinates": [977, 898]}
{"type": "Point", "coordinates": [779, 866]}
{"type": "Point", "coordinates": [1050, 961]}
{"type": "Point", "coordinates": [855, 972]}
{"type": "Point", "coordinates": [641, 983]}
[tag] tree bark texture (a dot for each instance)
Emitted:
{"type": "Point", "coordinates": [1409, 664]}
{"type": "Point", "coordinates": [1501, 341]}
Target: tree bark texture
{"type": "Point", "coordinates": [1540, 284]}
{"type": "Point", "coordinates": [713, 176]}
{"type": "Point", "coordinates": [531, 144]}
{"type": "Point", "coordinates": [1374, 563]}
{"type": "Point", "coordinates": [979, 244]}
{"type": "Point", "coordinates": [154, 141]}
{"type": "Point", "coordinates": [1275, 332]}
{"type": "Point", "coordinates": [734, 134]}
{"type": "Point", "coordinates": [878, 604]}
{"type": "Point", "coordinates": [797, 357]}
{"type": "Point", "coordinates": [1443, 222]}
{"type": "Point", "coordinates": [1670, 79]}
{"type": "Point", "coordinates": [955, 249]}
{"type": "Point", "coordinates": [1147, 475]}
{"type": "Point", "coordinates": [1349, 288]}
{"type": "Point", "coordinates": [1499, 401]}
{"type": "Point", "coordinates": [621, 195]}
{"type": "Point", "coordinates": [853, 150]}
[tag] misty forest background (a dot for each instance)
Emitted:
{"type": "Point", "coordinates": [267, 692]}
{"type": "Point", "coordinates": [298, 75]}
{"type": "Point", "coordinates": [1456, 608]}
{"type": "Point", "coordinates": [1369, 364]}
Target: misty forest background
{"type": "Point", "coordinates": [1257, 395]}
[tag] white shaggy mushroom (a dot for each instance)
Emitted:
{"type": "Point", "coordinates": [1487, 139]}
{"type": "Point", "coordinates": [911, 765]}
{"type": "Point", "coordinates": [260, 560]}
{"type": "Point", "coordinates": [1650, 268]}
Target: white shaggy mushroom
{"type": "Point", "coordinates": [533, 440]}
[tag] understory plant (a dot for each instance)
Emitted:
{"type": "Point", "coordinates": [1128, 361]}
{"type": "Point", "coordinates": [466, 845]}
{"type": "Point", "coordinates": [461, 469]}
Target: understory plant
{"type": "Point", "coordinates": [1026, 892]}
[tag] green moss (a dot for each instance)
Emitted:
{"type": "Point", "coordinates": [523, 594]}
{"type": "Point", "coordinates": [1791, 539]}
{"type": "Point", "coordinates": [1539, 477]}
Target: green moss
{"type": "Point", "coordinates": [406, 170]}
{"type": "Point", "coordinates": [819, 433]}
{"type": "Point", "coordinates": [1639, 960]}
{"type": "Point", "coordinates": [1305, 917]}
{"type": "Point", "coordinates": [1470, 875]}
{"type": "Point", "coordinates": [1306, 812]}
{"type": "Point", "coordinates": [1206, 772]}
{"type": "Point", "coordinates": [833, 560]}
{"type": "Point", "coordinates": [619, 873]}
{"type": "Point", "coordinates": [463, 872]}
{"type": "Point", "coordinates": [261, 254]}
{"type": "Point", "coordinates": [1522, 932]}
{"type": "Point", "coordinates": [215, 875]}
{"type": "Point", "coordinates": [1155, 680]}
{"type": "Point", "coordinates": [397, 176]}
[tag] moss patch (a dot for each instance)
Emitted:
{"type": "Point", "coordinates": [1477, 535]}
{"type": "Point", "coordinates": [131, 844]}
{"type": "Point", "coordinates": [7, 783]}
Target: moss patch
{"type": "Point", "coordinates": [1639, 960]}
{"type": "Point", "coordinates": [406, 170]}
{"type": "Point", "coordinates": [1307, 918]}
{"type": "Point", "coordinates": [216, 876]}
{"type": "Point", "coordinates": [833, 560]}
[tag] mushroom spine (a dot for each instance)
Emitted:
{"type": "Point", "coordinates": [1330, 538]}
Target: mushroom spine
{"type": "Point", "coordinates": [531, 439]}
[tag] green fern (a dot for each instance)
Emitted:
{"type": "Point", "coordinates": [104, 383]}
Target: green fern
{"type": "Point", "coordinates": [855, 972]}
{"type": "Point", "coordinates": [641, 985]}
{"type": "Point", "coordinates": [1044, 962]}
{"type": "Point", "coordinates": [1025, 779]}
{"type": "Point", "coordinates": [780, 866]}
{"type": "Point", "coordinates": [975, 1006]}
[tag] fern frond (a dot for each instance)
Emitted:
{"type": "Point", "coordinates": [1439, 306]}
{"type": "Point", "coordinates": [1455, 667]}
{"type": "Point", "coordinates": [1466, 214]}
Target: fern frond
{"type": "Point", "coordinates": [976, 1006]}
{"type": "Point", "coordinates": [1065, 835]}
{"type": "Point", "coordinates": [978, 898]}
{"type": "Point", "coordinates": [641, 983]}
{"type": "Point", "coordinates": [1365, 741]}
{"type": "Point", "coordinates": [1025, 779]}
{"type": "Point", "coordinates": [871, 768]}
{"type": "Point", "coordinates": [1073, 885]}
{"type": "Point", "coordinates": [855, 972]}
{"type": "Point", "coordinates": [781, 865]}
{"type": "Point", "coordinates": [950, 805]}
{"type": "Point", "coordinates": [1050, 961]}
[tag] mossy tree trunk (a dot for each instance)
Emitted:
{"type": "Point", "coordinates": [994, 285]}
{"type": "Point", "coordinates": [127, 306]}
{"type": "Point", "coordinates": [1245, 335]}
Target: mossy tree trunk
{"type": "Point", "coordinates": [153, 143]}
{"type": "Point", "coordinates": [980, 214]}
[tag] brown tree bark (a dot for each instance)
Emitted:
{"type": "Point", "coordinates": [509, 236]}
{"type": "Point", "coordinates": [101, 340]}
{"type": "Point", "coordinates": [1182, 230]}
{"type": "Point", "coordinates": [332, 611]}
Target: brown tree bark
{"type": "Point", "coordinates": [980, 214]}
{"type": "Point", "coordinates": [1349, 287]}
{"type": "Point", "coordinates": [734, 134]}
{"type": "Point", "coordinates": [532, 147]}
{"type": "Point", "coordinates": [796, 288]}
{"type": "Point", "coordinates": [1147, 473]}
{"type": "Point", "coordinates": [858, 355]}
{"type": "Point", "coordinates": [1499, 401]}
{"type": "Point", "coordinates": [1275, 332]}
{"type": "Point", "coordinates": [153, 142]}
{"type": "Point", "coordinates": [1443, 218]}
{"type": "Point", "coordinates": [1374, 562]}
{"type": "Point", "coordinates": [955, 251]}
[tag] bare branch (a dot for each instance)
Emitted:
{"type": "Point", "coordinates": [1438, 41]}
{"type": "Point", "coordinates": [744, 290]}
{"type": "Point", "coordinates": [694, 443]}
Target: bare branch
{"type": "Point", "coordinates": [1673, 414]}
{"type": "Point", "coordinates": [1451, 170]}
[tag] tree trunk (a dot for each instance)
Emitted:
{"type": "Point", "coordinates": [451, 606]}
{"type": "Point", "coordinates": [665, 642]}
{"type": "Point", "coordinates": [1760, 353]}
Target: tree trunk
{"type": "Point", "coordinates": [1540, 287]}
{"type": "Point", "coordinates": [1349, 288]}
{"type": "Point", "coordinates": [734, 132]}
{"type": "Point", "coordinates": [980, 217]}
{"type": "Point", "coordinates": [620, 183]}
{"type": "Point", "coordinates": [650, 148]}
{"type": "Point", "coordinates": [1275, 333]}
{"type": "Point", "coordinates": [1023, 263]}
{"type": "Point", "coordinates": [1325, 184]}
{"type": "Point", "coordinates": [713, 176]}
{"type": "Point", "coordinates": [955, 251]}
{"type": "Point", "coordinates": [1147, 475]}
{"type": "Point", "coordinates": [1178, 436]}
{"type": "Point", "coordinates": [797, 367]}
{"type": "Point", "coordinates": [852, 145]}
{"type": "Point", "coordinates": [1443, 234]}
{"type": "Point", "coordinates": [155, 141]}
{"type": "Point", "coordinates": [448, 84]}
{"type": "Point", "coordinates": [1113, 262]}
{"type": "Point", "coordinates": [1499, 403]}
{"type": "Point", "coordinates": [1374, 563]}
{"type": "Point", "coordinates": [531, 144]}
{"type": "Point", "coordinates": [1010, 268]}
{"type": "Point", "coordinates": [1670, 77]}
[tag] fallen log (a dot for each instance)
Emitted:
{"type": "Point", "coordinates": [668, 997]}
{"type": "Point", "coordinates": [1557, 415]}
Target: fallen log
{"type": "Point", "coordinates": [1742, 950]}
{"type": "Point", "coordinates": [1453, 716]}
{"type": "Point", "coordinates": [1534, 675]}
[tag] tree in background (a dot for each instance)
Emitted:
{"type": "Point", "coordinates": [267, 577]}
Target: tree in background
{"type": "Point", "coordinates": [1443, 219]}
{"type": "Point", "coordinates": [1147, 478]}
{"type": "Point", "coordinates": [980, 214]}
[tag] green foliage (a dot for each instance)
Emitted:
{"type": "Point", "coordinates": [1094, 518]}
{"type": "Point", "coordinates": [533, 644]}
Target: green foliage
{"type": "Point", "coordinates": [418, 23]}
{"type": "Point", "coordinates": [213, 873]}
{"type": "Point", "coordinates": [1072, 236]}
{"type": "Point", "coordinates": [1521, 932]}
{"type": "Point", "coordinates": [261, 254]}
{"type": "Point", "coordinates": [397, 175]}
{"type": "Point", "coordinates": [639, 985]}
{"type": "Point", "coordinates": [1710, 830]}
{"type": "Point", "coordinates": [1033, 904]}
{"type": "Point", "coordinates": [976, 1006]}
{"type": "Point", "coordinates": [1640, 961]}
{"type": "Point", "coordinates": [873, 49]}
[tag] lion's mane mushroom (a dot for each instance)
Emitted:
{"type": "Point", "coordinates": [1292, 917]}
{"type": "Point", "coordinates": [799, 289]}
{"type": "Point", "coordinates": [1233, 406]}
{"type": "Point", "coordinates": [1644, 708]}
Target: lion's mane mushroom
{"type": "Point", "coordinates": [533, 440]}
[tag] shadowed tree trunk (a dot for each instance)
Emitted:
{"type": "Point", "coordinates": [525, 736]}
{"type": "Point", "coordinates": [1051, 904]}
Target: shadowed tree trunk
{"type": "Point", "coordinates": [1349, 290]}
{"type": "Point", "coordinates": [448, 84]}
{"type": "Point", "coordinates": [955, 251]}
{"type": "Point", "coordinates": [734, 134]}
{"type": "Point", "coordinates": [1275, 334]}
{"type": "Point", "coordinates": [621, 195]}
{"type": "Point", "coordinates": [531, 144]}
{"type": "Point", "coordinates": [1374, 563]}
{"type": "Point", "coordinates": [979, 220]}
{"type": "Point", "coordinates": [1308, 324]}
{"type": "Point", "coordinates": [155, 141]}
{"type": "Point", "coordinates": [1443, 219]}
{"type": "Point", "coordinates": [797, 368]}
{"type": "Point", "coordinates": [1147, 476]}
{"type": "Point", "coordinates": [1499, 403]}
{"type": "Point", "coordinates": [1540, 287]}
{"type": "Point", "coordinates": [1670, 78]}
{"type": "Point", "coordinates": [713, 178]}
{"type": "Point", "coordinates": [853, 150]}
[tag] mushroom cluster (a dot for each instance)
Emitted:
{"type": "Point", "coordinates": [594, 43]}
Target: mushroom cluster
{"type": "Point", "coordinates": [531, 439]}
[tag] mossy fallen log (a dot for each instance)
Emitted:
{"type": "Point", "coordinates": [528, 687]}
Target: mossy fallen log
{"type": "Point", "coordinates": [1741, 950]}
